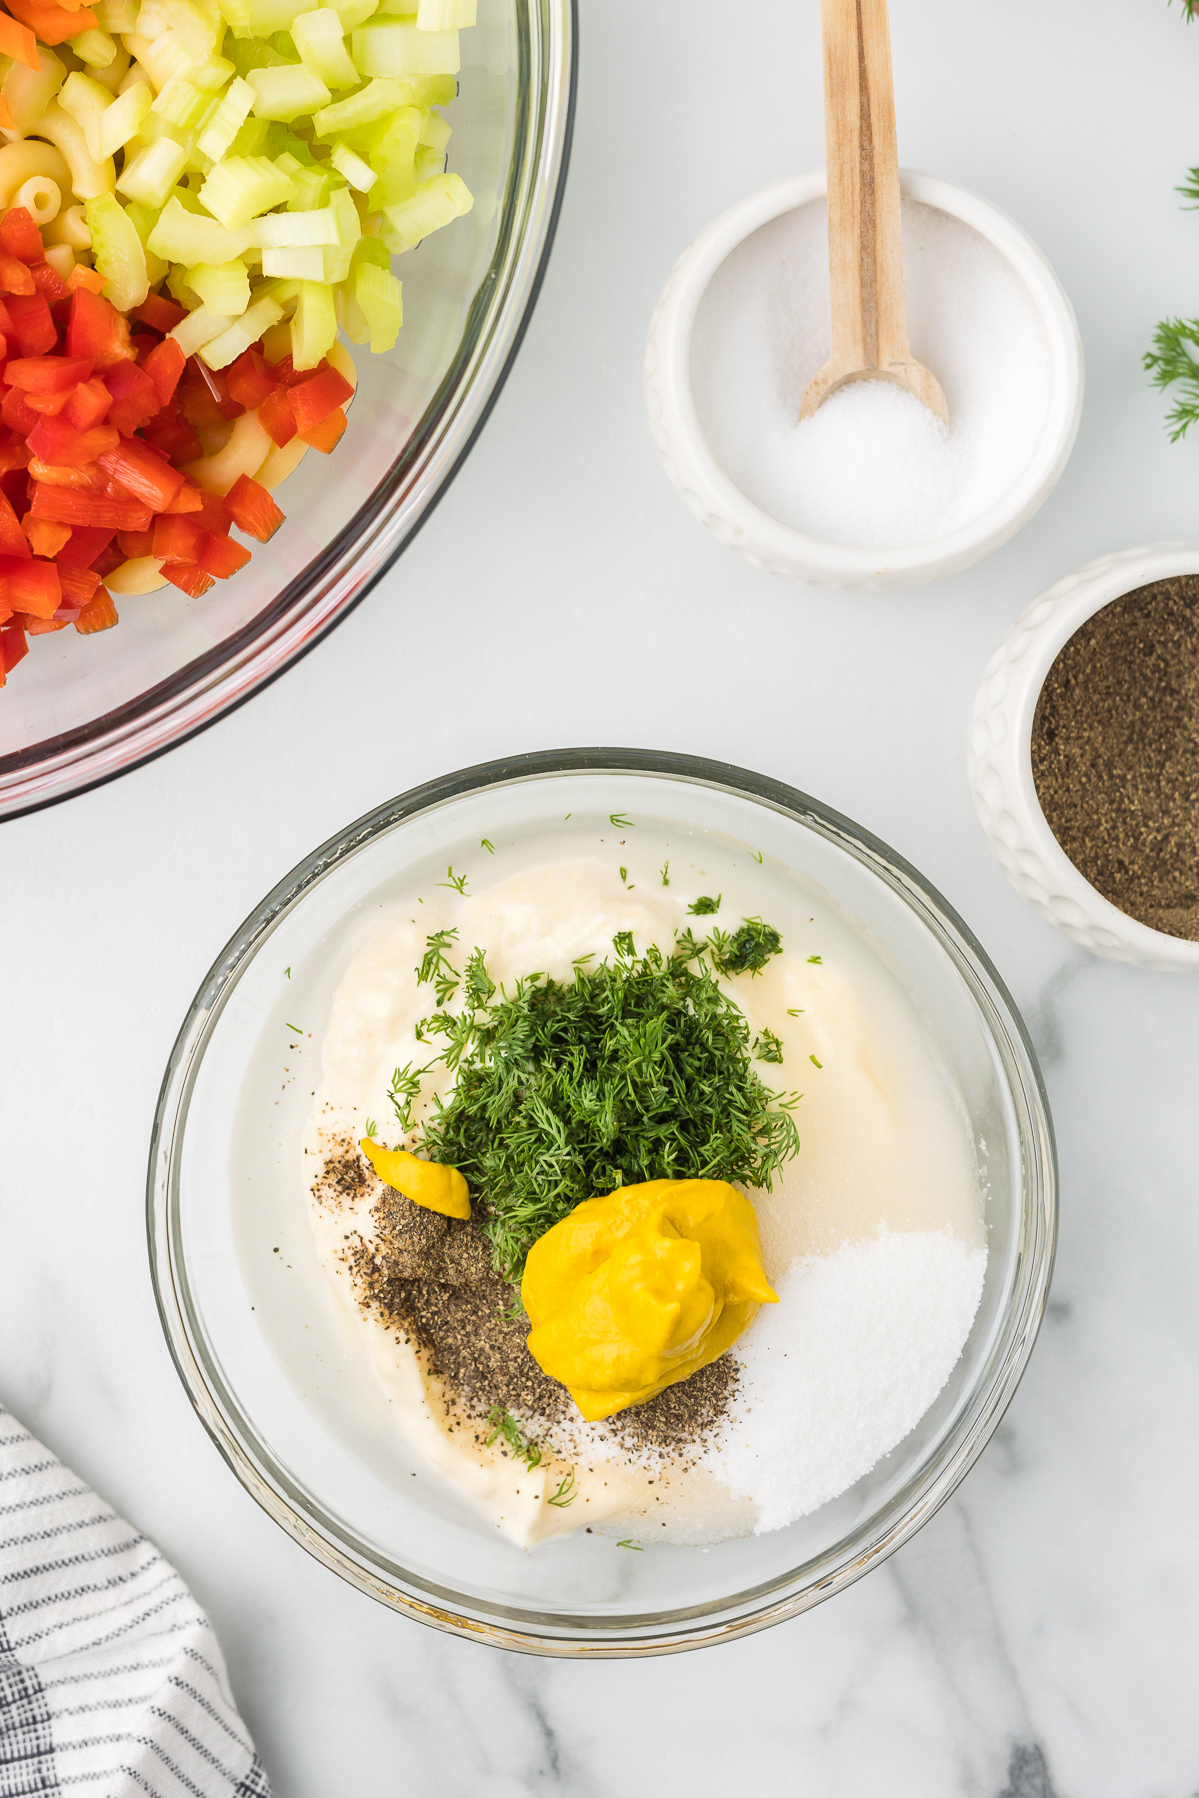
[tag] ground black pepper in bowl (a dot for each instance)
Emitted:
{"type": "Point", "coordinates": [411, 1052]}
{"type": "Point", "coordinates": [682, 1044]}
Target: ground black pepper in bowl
{"type": "Point", "coordinates": [1115, 753]}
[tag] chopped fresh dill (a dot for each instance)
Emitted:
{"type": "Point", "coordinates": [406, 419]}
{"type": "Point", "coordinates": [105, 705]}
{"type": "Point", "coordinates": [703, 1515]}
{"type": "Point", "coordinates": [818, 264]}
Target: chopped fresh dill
{"type": "Point", "coordinates": [665, 873]}
{"type": "Point", "coordinates": [638, 1069]}
{"type": "Point", "coordinates": [457, 881]}
{"type": "Point", "coordinates": [436, 968]}
{"type": "Point", "coordinates": [486, 843]}
{"type": "Point", "coordinates": [624, 875]}
{"type": "Point", "coordinates": [1175, 358]}
{"type": "Point", "coordinates": [758, 856]}
{"type": "Point", "coordinates": [767, 1047]}
{"type": "Point", "coordinates": [747, 950]}
{"type": "Point", "coordinates": [629, 1543]}
{"type": "Point", "coordinates": [817, 959]}
{"type": "Point", "coordinates": [705, 905]}
{"type": "Point", "coordinates": [795, 1011]}
{"type": "Point", "coordinates": [504, 1424]}
{"type": "Point", "coordinates": [404, 1088]}
{"type": "Point", "coordinates": [512, 1310]}
{"type": "Point", "coordinates": [287, 973]}
{"type": "Point", "coordinates": [295, 1029]}
{"type": "Point", "coordinates": [814, 1062]}
{"type": "Point", "coordinates": [371, 1127]}
{"type": "Point", "coordinates": [1188, 8]}
{"type": "Point", "coordinates": [618, 820]}
{"type": "Point", "coordinates": [687, 946]}
{"type": "Point", "coordinates": [567, 1491]}
{"type": "Point", "coordinates": [478, 987]}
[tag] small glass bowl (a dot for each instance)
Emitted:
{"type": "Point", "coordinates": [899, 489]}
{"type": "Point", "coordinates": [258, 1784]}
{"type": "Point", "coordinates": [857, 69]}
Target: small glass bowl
{"type": "Point", "coordinates": [80, 710]}
{"type": "Point", "coordinates": [255, 1329]}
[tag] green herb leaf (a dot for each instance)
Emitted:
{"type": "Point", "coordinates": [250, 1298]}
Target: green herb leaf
{"type": "Point", "coordinates": [1174, 358]}
{"type": "Point", "coordinates": [767, 1047]}
{"type": "Point", "coordinates": [486, 843]}
{"type": "Point", "coordinates": [814, 1062]}
{"type": "Point", "coordinates": [566, 1492]}
{"type": "Point", "coordinates": [436, 968]}
{"type": "Point", "coordinates": [624, 875]}
{"type": "Point", "coordinates": [618, 819]}
{"type": "Point", "coordinates": [629, 1543]}
{"type": "Point", "coordinates": [287, 973]}
{"type": "Point", "coordinates": [747, 950]}
{"type": "Point", "coordinates": [457, 881]}
{"type": "Point", "coordinates": [295, 1029]}
{"type": "Point", "coordinates": [705, 905]}
{"type": "Point", "coordinates": [505, 1425]}
{"type": "Point", "coordinates": [664, 870]}
{"type": "Point", "coordinates": [819, 960]}
{"type": "Point", "coordinates": [371, 1127]}
{"type": "Point", "coordinates": [404, 1088]}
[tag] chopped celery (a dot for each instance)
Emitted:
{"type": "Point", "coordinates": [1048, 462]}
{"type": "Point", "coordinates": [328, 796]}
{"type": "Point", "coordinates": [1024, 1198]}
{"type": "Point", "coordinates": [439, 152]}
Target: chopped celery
{"type": "Point", "coordinates": [435, 131]}
{"type": "Point", "coordinates": [281, 230]}
{"type": "Point", "coordinates": [253, 55]}
{"type": "Point", "coordinates": [433, 205]}
{"type": "Point", "coordinates": [285, 44]}
{"type": "Point", "coordinates": [119, 254]}
{"type": "Point", "coordinates": [427, 163]}
{"type": "Point", "coordinates": [213, 74]}
{"type": "Point", "coordinates": [143, 219]}
{"type": "Point", "coordinates": [252, 137]}
{"type": "Point", "coordinates": [233, 109]}
{"type": "Point", "coordinates": [378, 295]}
{"type": "Point", "coordinates": [168, 58]}
{"type": "Point", "coordinates": [197, 34]}
{"type": "Point", "coordinates": [375, 101]}
{"type": "Point", "coordinates": [188, 237]}
{"type": "Point", "coordinates": [198, 328]}
{"type": "Point", "coordinates": [180, 103]}
{"type": "Point", "coordinates": [286, 92]}
{"type": "Point", "coordinates": [269, 16]}
{"type": "Point", "coordinates": [95, 48]}
{"type": "Point", "coordinates": [393, 158]}
{"type": "Point", "coordinates": [241, 187]}
{"type": "Point", "coordinates": [87, 102]}
{"type": "Point", "coordinates": [359, 174]}
{"type": "Point", "coordinates": [318, 38]}
{"type": "Point", "coordinates": [242, 334]}
{"type": "Point", "coordinates": [236, 14]}
{"type": "Point", "coordinates": [351, 12]}
{"type": "Point", "coordinates": [152, 173]}
{"type": "Point", "coordinates": [297, 262]}
{"type": "Point", "coordinates": [116, 16]}
{"type": "Point", "coordinates": [224, 288]}
{"type": "Point", "coordinates": [280, 141]}
{"type": "Point", "coordinates": [123, 118]}
{"type": "Point", "coordinates": [394, 47]}
{"type": "Point", "coordinates": [445, 15]}
{"type": "Point", "coordinates": [310, 189]}
{"type": "Point", "coordinates": [314, 327]}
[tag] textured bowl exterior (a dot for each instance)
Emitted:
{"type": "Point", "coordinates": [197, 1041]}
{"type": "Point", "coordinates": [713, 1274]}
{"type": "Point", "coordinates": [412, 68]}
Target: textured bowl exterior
{"type": "Point", "coordinates": [999, 760]}
{"type": "Point", "coordinates": [732, 519]}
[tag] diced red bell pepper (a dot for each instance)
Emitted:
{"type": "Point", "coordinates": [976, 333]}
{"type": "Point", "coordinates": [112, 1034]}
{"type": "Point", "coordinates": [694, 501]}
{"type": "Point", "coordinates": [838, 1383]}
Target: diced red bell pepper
{"type": "Point", "coordinates": [34, 327]}
{"type": "Point", "coordinates": [277, 418]}
{"type": "Point", "coordinates": [135, 398]}
{"type": "Point", "coordinates": [87, 479]}
{"type": "Point", "coordinates": [222, 556]}
{"type": "Point", "coordinates": [107, 560]}
{"type": "Point", "coordinates": [13, 541]}
{"type": "Point", "coordinates": [54, 24]}
{"type": "Point", "coordinates": [328, 434]}
{"type": "Point", "coordinates": [214, 515]}
{"type": "Point", "coordinates": [20, 237]}
{"type": "Point", "coordinates": [164, 365]}
{"type": "Point", "coordinates": [14, 276]}
{"type": "Point", "coordinates": [12, 647]}
{"type": "Point", "coordinates": [48, 405]}
{"type": "Point", "coordinates": [38, 627]}
{"type": "Point", "coordinates": [30, 585]}
{"type": "Point", "coordinates": [252, 509]}
{"type": "Point", "coordinates": [17, 413]}
{"type": "Point", "coordinates": [78, 584]}
{"type": "Point", "coordinates": [7, 328]}
{"type": "Point", "coordinates": [46, 374]}
{"type": "Point", "coordinates": [138, 467]}
{"type": "Point", "coordinates": [84, 545]}
{"type": "Point", "coordinates": [18, 42]}
{"type": "Point", "coordinates": [174, 437]}
{"type": "Point", "coordinates": [135, 544]}
{"type": "Point", "coordinates": [188, 499]}
{"type": "Point", "coordinates": [160, 313]}
{"type": "Point", "coordinates": [57, 444]}
{"type": "Point", "coordinates": [99, 614]}
{"type": "Point", "coordinates": [250, 379]}
{"type": "Point", "coordinates": [87, 406]}
{"type": "Point", "coordinates": [83, 276]}
{"type": "Point", "coordinates": [312, 400]}
{"type": "Point", "coordinates": [96, 329]}
{"type": "Point", "coordinates": [47, 538]}
{"type": "Point", "coordinates": [48, 281]}
{"type": "Point", "coordinates": [178, 538]}
{"type": "Point", "coordinates": [188, 577]}
{"type": "Point", "coordinates": [96, 509]}
{"type": "Point", "coordinates": [13, 455]}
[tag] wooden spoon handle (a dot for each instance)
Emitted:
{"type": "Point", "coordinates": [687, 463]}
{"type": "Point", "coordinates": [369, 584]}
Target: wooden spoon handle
{"type": "Point", "coordinates": [865, 236]}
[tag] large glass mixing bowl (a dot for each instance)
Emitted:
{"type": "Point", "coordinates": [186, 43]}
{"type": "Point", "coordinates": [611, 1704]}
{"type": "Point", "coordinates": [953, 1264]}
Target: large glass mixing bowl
{"type": "Point", "coordinates": [80, 710]}
{"type": "Point", "coordinates": [252, 1323]}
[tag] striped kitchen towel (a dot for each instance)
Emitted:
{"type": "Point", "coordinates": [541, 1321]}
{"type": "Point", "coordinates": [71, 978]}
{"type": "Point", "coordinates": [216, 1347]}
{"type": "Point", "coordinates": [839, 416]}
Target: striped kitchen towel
{"type": "Point", "coordinates": [111, 1680]}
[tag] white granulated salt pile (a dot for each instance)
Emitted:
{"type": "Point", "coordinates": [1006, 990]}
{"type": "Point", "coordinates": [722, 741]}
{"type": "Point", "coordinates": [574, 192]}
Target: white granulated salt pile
{"type": "Point", "coordinates": [873, 468]}
{"type": "Point", "coordinates": [846, 1363]}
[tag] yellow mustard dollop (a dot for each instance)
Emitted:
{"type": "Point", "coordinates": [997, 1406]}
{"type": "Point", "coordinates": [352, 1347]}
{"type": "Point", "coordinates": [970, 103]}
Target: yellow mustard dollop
{"type": "Point", "coordinates": [427, 1183]}
{"type": "Point", "coordinates": [636, 1291]}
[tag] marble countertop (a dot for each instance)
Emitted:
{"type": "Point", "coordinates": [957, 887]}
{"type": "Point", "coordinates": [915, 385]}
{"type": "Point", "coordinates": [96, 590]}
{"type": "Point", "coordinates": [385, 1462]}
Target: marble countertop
{"type": "Point", "coordinates": [1037, 1638]}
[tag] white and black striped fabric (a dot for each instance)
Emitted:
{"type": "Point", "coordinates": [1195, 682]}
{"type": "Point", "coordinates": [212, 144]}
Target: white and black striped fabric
{"type": "Point", "coordinates": [111, 1681]}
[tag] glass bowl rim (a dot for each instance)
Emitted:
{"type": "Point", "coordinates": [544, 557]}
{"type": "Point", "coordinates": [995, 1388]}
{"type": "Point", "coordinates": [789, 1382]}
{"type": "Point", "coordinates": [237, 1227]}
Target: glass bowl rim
{"type": "Point", "coordinates": [313, 602]}
{"type": "Point", "coordinates": [772, 1601]}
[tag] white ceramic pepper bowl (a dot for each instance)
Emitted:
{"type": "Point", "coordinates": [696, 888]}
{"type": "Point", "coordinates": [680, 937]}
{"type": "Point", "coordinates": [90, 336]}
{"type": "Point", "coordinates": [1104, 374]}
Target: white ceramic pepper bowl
{"type": "Point", "coordinates": [732, 518]}
{"type": "Point", "coordinates": [999, 759]}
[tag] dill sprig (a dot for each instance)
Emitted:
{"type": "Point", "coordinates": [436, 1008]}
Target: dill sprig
{"type": "Point", "coordinates": [567, 1491]}
{"type": "Point", "coordinates": [1175, 358]}
{"type": "Point", "coordinates": [435, 966]}
{"type": "Point", "coordinates": [746, 950]}
{"type": "Point", "coordinates": [404, 1088]}
{"type": "Point", "coordinates": [705, 905]}
{"type": "Point", "coordinates": [1188, 8]}
{"type": "Point", "coordinates": [504, 1424]}
{"type": "Point", "coordinates": [637, 1069]}
{"type": "Point", "coordinates": [767, 1047]}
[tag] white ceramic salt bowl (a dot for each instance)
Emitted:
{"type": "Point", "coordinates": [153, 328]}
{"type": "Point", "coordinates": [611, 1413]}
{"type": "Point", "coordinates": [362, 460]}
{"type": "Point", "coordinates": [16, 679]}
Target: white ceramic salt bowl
{"type": "Point", "coordinates": [733, 518]}
{"type": "Point", "coordinates": [999, 759]}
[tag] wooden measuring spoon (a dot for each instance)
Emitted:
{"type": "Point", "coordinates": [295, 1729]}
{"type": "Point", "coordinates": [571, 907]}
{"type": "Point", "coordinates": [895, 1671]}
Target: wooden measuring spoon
{"type": "Point", "coordinates": [865, 238]}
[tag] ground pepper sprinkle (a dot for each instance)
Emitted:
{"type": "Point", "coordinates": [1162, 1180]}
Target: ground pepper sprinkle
{"type": "Point", "coordinates": [1115, 753]}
